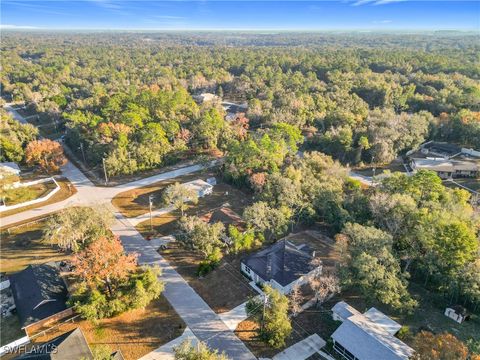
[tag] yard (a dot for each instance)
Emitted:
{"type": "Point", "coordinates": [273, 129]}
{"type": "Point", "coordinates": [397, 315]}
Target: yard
{"type": "Point", "coordinates": [10, 330]}
{"type": "Point", "coordinates": [470, 183]}
{"type": "Point", "coordinates": [22, 246]}
{"type": "Point", "coordinates": [222, 289]}
{"type": "Point", "coordinates": [66, 190]}
{"type": "Point", "coordinates": [135, 202]}
{"type": "Point", "coordinates": [135, 333]}
{"type": "Point", "coordinates": [222, 193]}
{"type": "Point", "coordinates": [395, 166]}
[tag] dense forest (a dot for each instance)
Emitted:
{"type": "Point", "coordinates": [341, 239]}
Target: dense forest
{"type": "Point", "coordinates": [126, 97]}
{"type": "Point", "coordinates": [340, 99]}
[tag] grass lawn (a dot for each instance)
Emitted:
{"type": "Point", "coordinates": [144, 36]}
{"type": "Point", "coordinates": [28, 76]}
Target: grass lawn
{"type": "Point", "coordinates": [135, 202]}
{"type": "Point", "coordinates": [10, 330]}
{"type": "Point", "coordinates": [166, 224]}
{"type": "Point", "coordinates": [22, 194]}
{"type": "Point", "coordinates": [394, 166]}
{"type": "Point", "coordinates": [66, 190]}
{"type": "Point", "coordinates": [222, 289]}
{"type": "Point", "coordinates": [311, 321]}
{"type": "Point", "coordinates": [472, 184]}
{"type": "Point", "coordinates": [135, 333]}
{"type": "Point", "coordinates": [22, 246]}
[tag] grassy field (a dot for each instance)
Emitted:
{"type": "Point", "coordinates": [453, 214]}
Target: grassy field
{"type": "Point", "coordinates": [66, 190]}
{"type": "Point", "coordinates": [22, 194]}
{"type": "Point", "coordinates": [394, 166]}
{"type": "Point", "coordinates": [10, 330]}
{"type": "Point", "coordinates": [226, 279]}
{"type": "Point", "coordinates": [135, 202]}
{"type": "Point", "coordinates": [472, 184]}
{"type": "Point", "coordinates": [22, 246]}
{"type": "Point", "coordinates": [135, 333]}
{"type": "Point", "coordinates": [222, 194]}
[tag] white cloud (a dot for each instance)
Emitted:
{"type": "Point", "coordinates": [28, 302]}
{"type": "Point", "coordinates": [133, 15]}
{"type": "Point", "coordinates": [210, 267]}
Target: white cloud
{"type": "Point", "coordinates": [9, 26]}
{"type": "Point", "coordinates": [374, 2]}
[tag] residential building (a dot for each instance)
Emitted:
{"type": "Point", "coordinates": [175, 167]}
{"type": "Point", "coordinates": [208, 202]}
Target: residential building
{"type": "Point", "coordinates": [10, 168]}
{"type": "Point", "coordinates": [72, 345]}
{"type": "Point", "coordinates": [446, 168]}
{"type": "Point", "coordinates": [201, 187]}
{"type": "Point", "coordinates": [40, 294]}
{"type": "Point", "coordinates": [368, 336]}
{"type": "Point", "coordinates": [281, 265]}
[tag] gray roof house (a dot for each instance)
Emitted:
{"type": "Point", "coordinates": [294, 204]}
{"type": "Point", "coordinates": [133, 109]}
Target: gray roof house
{"type": "Point", "coordinates": [281, 265]}
{"type": "Point", "coordinates": [368, 336]}
{"type": "Point", "coordinates": [39, 292]}
{"type": "Point", "coordinates": [71, 345]}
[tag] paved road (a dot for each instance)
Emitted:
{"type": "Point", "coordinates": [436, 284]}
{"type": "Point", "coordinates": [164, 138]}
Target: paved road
{"type": "Point", "coordinates": [199, 317]}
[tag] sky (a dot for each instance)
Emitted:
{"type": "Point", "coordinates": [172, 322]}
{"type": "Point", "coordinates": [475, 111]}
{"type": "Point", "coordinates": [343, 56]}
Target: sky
{"type": "Point", "coordinates": [369, 15]}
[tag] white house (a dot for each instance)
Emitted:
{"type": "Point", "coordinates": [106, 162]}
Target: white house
{"type": "Point", "coordinates": [201, 187]}
{"type": "Point", "coordinates": [281, 265]}
{"type": "Point", "coordinates": [446, 168]}
{"type": "Point", "coordinates": [205, 97]}
{"type": "Point", "coordinates": [368, 336]}
{"type": "Point", "coordinates": [9, 168]}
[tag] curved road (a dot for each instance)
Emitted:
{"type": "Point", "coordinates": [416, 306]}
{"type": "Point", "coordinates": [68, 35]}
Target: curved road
{"type": "Point", "coordinates": [195, 312]}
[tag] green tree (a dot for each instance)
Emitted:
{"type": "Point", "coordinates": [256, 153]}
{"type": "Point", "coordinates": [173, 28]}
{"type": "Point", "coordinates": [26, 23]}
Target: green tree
{"type": "Point", "coordinates": [275, 325]}
{"type": "Point", "coordinates": [74, 228]}
{"type": "Point", "coordinates": [200, 351]}
{"type": "Point", "coordinates": [178, 195]}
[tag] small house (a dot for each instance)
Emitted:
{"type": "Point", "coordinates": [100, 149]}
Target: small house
{"type": "Point", "coordinates": [70, 345]}
{"type": "Point", "coordinates": [9, 168]}
{"type": "Point", "coordinates": [446, 168]}
{"type": "Point", "coordinates": [201, 187]}
{"type": "Point", "coordinates": [281, 265]}
{"type": "Point", "coordinates": [40, 295]}
{"type": "Point", "coordinates": [367, 336]}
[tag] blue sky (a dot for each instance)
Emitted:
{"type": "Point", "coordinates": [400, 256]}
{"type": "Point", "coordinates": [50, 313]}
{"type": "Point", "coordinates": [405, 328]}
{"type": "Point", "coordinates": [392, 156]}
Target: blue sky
{"type": "Point", "coordinates": [241, 15]}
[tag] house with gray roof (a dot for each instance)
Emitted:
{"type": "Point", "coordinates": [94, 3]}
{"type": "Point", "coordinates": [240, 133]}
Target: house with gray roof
{"type": "Point", "coordinates": [39, 293]}
{"type": "Point", "coordinates": [368, 336]}
{"type": "Point", "coordinates": [281, 265]}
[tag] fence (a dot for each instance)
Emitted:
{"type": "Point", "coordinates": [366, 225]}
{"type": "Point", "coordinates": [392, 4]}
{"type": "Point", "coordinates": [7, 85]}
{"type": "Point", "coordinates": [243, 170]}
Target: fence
{"type": "Point", "coordinates": [35, 201]}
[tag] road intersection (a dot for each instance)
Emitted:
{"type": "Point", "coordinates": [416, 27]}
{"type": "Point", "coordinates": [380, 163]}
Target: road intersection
{"type": "Point", "coordinates": [205, 324]}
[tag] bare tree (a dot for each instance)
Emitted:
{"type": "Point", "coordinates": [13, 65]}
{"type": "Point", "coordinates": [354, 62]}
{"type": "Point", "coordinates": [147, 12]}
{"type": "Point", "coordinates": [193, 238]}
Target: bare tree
{"type": "Point", "coordinates": [295, 298]}
{"type": "Point", "coordinates": [324, 285]}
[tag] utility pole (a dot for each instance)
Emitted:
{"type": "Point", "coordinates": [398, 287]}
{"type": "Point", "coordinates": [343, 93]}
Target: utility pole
{"type": "Point", "coordinates": [150, 203]}
{"type": "Point", "coordinates": [265, 301]}
{"type": "Point", "coordinates": [105, 171]}
{"type": "Point", "coordinates": [83, 153]}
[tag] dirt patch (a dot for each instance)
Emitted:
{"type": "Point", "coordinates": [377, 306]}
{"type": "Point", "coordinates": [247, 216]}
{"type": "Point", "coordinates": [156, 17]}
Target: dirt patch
{"type": "Point", "coordinates": [135, 333]}
{"type": "Point", "coordinates": [23, 245]}
{"type": "Point", "coordinates": [222, 289]}
{"type": "Point", "coordinates": [222, 194]}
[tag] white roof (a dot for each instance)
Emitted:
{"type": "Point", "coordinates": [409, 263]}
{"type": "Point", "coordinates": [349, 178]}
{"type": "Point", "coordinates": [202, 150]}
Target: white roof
{"type": "Point", "coordinates": [10, 167]}
{"type": "Point", "coordinates": [344, 310]}
{"type": "Point", "coordinates": [444, 165]}
{"type": "Point", "coordinates": [382, 320]}
{"type": "Point", "coordinates": [197, 185]}
{"type": "Point", "coordinates": [369, 336]}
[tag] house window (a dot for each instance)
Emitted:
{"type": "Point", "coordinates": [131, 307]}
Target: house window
{"type": "Point", "coordinates": [344, 352]}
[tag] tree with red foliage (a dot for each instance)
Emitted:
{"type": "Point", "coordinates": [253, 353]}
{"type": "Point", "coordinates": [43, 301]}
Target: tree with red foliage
{"type": "Point", "coordinates": [104, 262]}
{"type": "Point", "coordinates": [46, 153]}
